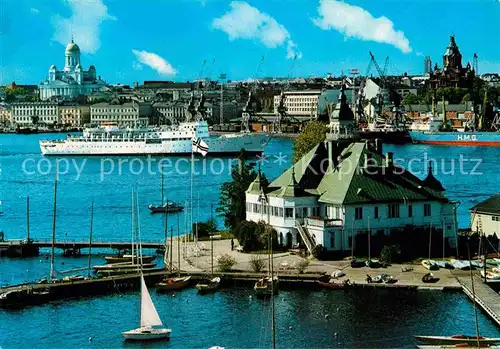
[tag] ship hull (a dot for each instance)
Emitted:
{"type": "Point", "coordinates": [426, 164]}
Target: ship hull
{"type": "Point", "coordinates": [392, 137]}
{"type": "Point", "coordinates": [217, 146]}
{"type": "Point", "coordinates": [470, 139]}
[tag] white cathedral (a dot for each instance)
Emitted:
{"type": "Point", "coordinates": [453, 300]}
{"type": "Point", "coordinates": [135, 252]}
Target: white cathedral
{"type": "Point", "coordinates": [72, 81]}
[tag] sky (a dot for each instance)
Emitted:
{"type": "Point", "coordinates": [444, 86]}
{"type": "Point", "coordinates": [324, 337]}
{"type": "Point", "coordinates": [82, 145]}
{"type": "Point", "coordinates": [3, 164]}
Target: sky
{"type": "Point", "coordinates": [131, 40]}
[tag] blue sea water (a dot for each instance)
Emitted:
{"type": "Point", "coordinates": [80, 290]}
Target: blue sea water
{"type": "Point", "coordinates": [230, 318]}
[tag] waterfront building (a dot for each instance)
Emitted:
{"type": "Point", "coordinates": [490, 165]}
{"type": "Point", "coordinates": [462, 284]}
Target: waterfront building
{"type": "Point", "coordinates": [452, 74]}
{"type": "Point", "coordinates": [343, 188]}
{"type": "Point", "coordinates": [129, 114]}
{"type": "Point", "coordinates": [300, 103]}
{"type": "Point", "coordinates": [176, 111]}
{"type": "Point", "coordinates": [174, 90]}
{"type": "Point", "coordinates": [74, 115]}
{"type": "Point", "coordinates": [72, 81]}
{"type": "Point", "coordinates": [5, 114]}
{"type": "Point", "coordinates": [29, 113]}
{"type": "Point", "coordinates": [485, 216]}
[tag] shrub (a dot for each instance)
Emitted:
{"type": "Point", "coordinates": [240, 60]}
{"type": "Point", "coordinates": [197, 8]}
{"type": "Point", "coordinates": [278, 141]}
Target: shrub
{"type": "Point", "coordinates": [302, 266]}
{"type": "Point", "coordinates": [225, 262]}
{"type": "Point", "coordinates": [390, 253]}
{"type": "Point", "coordinates": [205, 229]}
{"type": "Point", "coordinates": [247, 234]}
{"type": "Point", "coordinates": [257, 263]}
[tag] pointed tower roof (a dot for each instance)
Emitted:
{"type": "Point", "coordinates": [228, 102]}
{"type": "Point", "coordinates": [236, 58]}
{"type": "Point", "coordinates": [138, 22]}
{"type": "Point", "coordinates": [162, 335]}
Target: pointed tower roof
{"type": "Point", "coordinates": [342, 110]}
{"type": "Point", "coordinates": [256, 186]}
{"type": "Point", "coordinates": [292, 189]}
{"type": "Point", "coordinates": [432, 182]}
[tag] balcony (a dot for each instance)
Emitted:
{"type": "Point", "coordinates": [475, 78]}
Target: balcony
{"type": "Point", "coordinates": [323, 223]}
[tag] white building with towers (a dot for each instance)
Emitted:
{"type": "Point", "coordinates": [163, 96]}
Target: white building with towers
{"type": "Point", "coordinates": [72, 81]}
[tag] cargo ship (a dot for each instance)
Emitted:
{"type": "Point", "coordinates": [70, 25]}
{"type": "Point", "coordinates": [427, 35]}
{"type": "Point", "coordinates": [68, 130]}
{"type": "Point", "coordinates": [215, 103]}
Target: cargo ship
{"type": "Point", "coordinates": [470, 138]}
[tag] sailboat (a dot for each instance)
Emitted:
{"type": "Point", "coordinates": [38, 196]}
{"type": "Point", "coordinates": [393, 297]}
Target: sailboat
{"type": "Point", "coordinates": [151, 326]}
{"type": "Point", "coordinates": [174, 283]}
{"type": "Point", "coordinates": [268, 286]}
{"type": "Point", "coordinates": [211, 285]}
{"type": "Point", "coordinates": [165, 207]}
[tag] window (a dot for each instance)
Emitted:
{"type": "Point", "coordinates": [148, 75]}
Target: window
{"type": "Point", "coordinates": [358, 213]}
{"type": "Point", "coordinates": [332, 241]}
{"type": "Point", "coordinates": [280, 211]}
{"type": "Point", "coordinates": [337, 212]}
{"type": "Point", "coordinates": [393, 210]}
{"type": "Point", "coordinates": [304, 212]}
{"type": "Point", "coordinates": [375, 212]}
{"type": "Point", "coordinates": [289, 212]}
{"type": "Point", "coordinates": [427, 210]}
{"type": "Point", "coordinates": [495, 218]}
{"type": "Point", "coordinates": [410, 211]}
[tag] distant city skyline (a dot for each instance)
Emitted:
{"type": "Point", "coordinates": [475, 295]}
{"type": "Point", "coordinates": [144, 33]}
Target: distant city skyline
{"type": "Point", "coordinates": [132, 41]}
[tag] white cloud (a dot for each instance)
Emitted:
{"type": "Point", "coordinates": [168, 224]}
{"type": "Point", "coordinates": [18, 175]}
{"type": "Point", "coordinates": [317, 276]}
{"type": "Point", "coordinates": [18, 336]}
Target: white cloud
{"type": "Point", "coordinates": [84, 24]}
{"type": "Point", "coordinates": [34, 10]}
{"type": "Point", "coordinates": [153, 61]}
{"type": "Point", "coordinates": [354, 21]}
{"type": "Point", "coordinates": [136, 65]}
{"type": "Point", "coordinates": [243, 21]}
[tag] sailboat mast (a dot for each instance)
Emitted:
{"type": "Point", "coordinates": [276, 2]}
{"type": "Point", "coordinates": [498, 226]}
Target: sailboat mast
{"type": "Point", "coordinates": [178, 245]}
{"type": "Point", "coordinates": [171, 249]}
{"type": "Point", "coordinates": [273, 322]}
{"type": "Point", "coordinates": [369, 240]}
{"type": "Point", "coordinates": [134, 258]}
{"type": "Point", "coordinates": [90, 237]}
{"type": "Point", "coordinates": [138, 226]}
{"type": "Point", "coordinates": [53, 231]}
{"type": "Point", "coordinates": [473, 293]}
{"type": "Point", "coordinates": [430, 239]}
{"type": "Point", "coordinates": [28, 217]}
{"type": "Point", "coordinates": [212, 253]}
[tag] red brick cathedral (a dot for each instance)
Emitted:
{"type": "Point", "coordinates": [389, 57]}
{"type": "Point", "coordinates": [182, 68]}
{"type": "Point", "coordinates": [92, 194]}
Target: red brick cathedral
{"type": "Point", "coordinates": [452, 74]}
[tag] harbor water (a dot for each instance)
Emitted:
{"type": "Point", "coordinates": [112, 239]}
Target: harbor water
{"type": "Point", "coordinates": [231, 318]}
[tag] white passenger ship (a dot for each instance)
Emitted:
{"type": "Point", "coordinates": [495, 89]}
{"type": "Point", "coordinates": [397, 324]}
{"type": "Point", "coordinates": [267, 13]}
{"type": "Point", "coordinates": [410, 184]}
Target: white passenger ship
{"type": "Point", "coordinates": [108, 139]}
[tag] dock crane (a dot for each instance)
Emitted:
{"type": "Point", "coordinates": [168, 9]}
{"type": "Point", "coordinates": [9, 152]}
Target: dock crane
{"type": "Point", "coordinates": [248, 109]}
{"type": "Point", "coordinates": [281, 114]}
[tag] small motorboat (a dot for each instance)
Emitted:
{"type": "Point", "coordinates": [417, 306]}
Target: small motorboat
{"type": "Point", "coordinates": [328, 282]}
{"type": "Point", "coordinates": [389, 279]}
{"type": "Point", "coordinates": [123, 266]}
{"type": "Point", "coordinates": [207, 286]}
{"type": "Point", "coordinates": [266, 286]}
{"type": "Point", "coordinates": [377, 279]}
{"type": "Point", "coordinates": [429, 278]}
{"type": "Point", "coordinates": [176, 283]}
{"type": "Point", "coordinates": [357, 263]}
{"type": "Point", "coordinates": [491, 275]}
{"type": "Point", "coordinates": [128, 258]}
{"type": "Point", "coordinates": [168, 207]}
{"type": "Point", "coordinates": [429, 265]}
{"type": "Point", "coordinates": [372, 263]}
{"type": "Point", "coordinates": [456, 339]}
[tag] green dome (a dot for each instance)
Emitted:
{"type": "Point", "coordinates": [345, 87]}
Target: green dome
{"type": "Point", "coordinates": [72, 48]}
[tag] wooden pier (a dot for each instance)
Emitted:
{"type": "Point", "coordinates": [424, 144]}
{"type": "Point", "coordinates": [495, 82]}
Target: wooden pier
{"type": "Point", "coordinates": [22, 248]}
{"type": "Point", "coordinates": [485, 297]}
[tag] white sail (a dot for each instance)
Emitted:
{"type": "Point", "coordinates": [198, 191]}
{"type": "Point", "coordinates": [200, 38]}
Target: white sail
{"type": "Point", "coordinates": [149, 315]}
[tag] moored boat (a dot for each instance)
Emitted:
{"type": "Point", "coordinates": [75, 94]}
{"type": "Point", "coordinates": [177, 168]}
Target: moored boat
{"type": "Point", "coordinates": [266, 287]}
{"type": "Point", "coordinates": [428, 264]}
{"type": "Point", "coordinates": [207, 286]}
{"type": "Point", "coordinates": [123, 266]}
{"type": "Point", "coordinates": [491, 139]}
{"type": "Point", "coordinates": [429, 278]}
{"type": "Point", "coordinates": [168, 207]}
{"type": "Point", "coordinates": [176, 283]}
{"type": "Point", "coordinates": [127, 258]}
{"type": "Point", "coordinates": [456, 339]}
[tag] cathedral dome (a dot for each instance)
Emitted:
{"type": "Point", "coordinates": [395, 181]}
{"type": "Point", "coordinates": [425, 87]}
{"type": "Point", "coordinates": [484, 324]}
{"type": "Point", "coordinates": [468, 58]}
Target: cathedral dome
{"type": "Point", "coordinates": [72, 47]}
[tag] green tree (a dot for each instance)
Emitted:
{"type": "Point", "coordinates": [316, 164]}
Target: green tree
{"type": "Point", "coordinates": [205, 229]}
{"type": "Point", "coordinates": [232, 197]}
{"type": "Point", "coordinates": [313, 133]}
{"type": "Point", "coordinates": [410, 98]}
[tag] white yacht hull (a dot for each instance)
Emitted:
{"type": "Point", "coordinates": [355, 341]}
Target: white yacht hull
{"type": "Point", "coordinates": [147, 334]}
{"type": "Point", "coordinates": [223, 145]}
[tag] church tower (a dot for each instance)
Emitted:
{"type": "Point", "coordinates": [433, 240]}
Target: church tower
{"type": "Point", "coordinates": [452, 57]}
{"type": "Point", "coordinates": [72, 57]}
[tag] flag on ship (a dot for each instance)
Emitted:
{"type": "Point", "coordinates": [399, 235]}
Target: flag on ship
{"type": "Point", "coordinates": [199, 146]}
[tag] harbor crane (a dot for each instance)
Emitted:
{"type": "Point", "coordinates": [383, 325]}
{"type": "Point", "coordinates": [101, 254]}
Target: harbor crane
{"type": "Point", "coordinates": [248, 109]}
{"type": "Point", "coordinates": [281, 114]}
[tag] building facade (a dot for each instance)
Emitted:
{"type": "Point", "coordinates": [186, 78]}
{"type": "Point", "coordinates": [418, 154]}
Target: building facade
{"type": "Point", "coordinates": [74, 115]}
{"type": "Point", "coordinates": [343, 188]}
{"type": "Point", "coordinates": [29, 113]}
{"type": "Point", "coordinates": [129, 114]}
{"type": "Point", "coordinates": [72, 81]}
{"type": "Point", "coordinates": [300, 103]}
{"type": "Point", "coordinates": [485, 217]}
{"type": "Point", "coordinates": [5, 115]}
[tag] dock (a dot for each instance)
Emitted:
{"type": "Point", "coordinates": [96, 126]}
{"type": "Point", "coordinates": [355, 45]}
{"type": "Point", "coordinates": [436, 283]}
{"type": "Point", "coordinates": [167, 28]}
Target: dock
{"type": "Point", "coordinates": [485, 297]}
{"type": "Point", "coordinates": [21, 248]}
